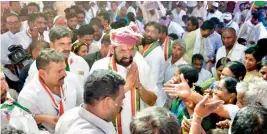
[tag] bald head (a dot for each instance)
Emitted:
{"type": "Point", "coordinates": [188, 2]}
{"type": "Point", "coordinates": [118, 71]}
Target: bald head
{"type": "Point", "coordinates": [229, 38]}
{"type": "Point", "coordinates": [230, 31]}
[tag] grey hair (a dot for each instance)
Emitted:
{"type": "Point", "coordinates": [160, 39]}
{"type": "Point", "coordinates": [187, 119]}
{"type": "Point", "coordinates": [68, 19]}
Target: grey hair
{"type": "Point", "coordinates": [154, 119]}
{"type": "Point", "coordinates": [11, 130]}
{"type": "Point", "coordinates": [59, 32]}
{"type": "Point", "coordinates": [46, 56]}
{"type": "Point", "coordinates": [254, 91]}
{"type": "Point", "coordinates": [181, 43]}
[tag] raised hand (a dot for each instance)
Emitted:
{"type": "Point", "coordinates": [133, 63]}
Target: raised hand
{"type": "Point", "coordinates": [35, 33]}
{"type": "Point", "coordinates": [224, 124]}
{"type": "Point", "coordinates": [203, 108]}
{"type": "Point", "coordinates": [132, 77]}
{"type": "Point", "coordinates": [178, 90]}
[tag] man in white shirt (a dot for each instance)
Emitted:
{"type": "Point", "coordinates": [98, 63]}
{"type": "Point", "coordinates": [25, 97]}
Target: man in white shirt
{"type": "Point", "coordinates": [230, 48]}
{"type": "Point", "coordinates": [7, 39]}
{"type": "Point", "coordinates": [154, 56]}
{"type": "Point", "coordinates": [214, 12]}
{"type": "Point", "coordinates": [31, 8]}
{"type": "Point", "coordinates": [176, 59]}
{"type": "Point", "coordinates": [139, 87]}
{"type": "Point", "coordinates": [178, 13]}
{"type": "Point", "coordinates": [103, 100]}
{"type": "Point", "coordinates": [173, 27]}
{"type": "Point", "coordinates": [203, 74]}
{"type": "Point", "coordinates": [52, 91]}
{"type": "Point", "coordinates": [36, 31]}
{"type": "Point", "coordinates": [253, 29]}
{"type": "Point", "coordinates": [129, 7]}
{"type": "Point", "coordinates": [61, 42]}
{"type": "Point", "coordinates": [227, 18]}
{"type": "Point", "coordinates": [199, 10]}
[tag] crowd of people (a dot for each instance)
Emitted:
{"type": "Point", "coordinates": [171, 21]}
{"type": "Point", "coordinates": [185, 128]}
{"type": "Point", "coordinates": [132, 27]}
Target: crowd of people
{"type": "Point", "coordinates": [129, 67]}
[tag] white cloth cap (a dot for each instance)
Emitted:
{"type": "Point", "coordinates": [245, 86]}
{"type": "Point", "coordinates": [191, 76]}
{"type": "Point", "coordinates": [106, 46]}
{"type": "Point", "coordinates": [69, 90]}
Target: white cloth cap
{"type": "Point", "coordinates": [227, 16]}
{"type": "Point", "coordinates": [191, 3]}
{"type": "Point", "coordinates": [215, 4]}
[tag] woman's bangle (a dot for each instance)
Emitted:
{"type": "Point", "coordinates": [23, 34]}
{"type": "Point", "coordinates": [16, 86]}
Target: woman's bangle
{"type": "Point", "coordinates": [197, 116]}
{"type": "Point", "coordinates": [194, 123]}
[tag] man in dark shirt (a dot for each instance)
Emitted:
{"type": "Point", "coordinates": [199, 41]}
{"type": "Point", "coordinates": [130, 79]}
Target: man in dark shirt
{"type": "Point", "coordinates": [105, 43]}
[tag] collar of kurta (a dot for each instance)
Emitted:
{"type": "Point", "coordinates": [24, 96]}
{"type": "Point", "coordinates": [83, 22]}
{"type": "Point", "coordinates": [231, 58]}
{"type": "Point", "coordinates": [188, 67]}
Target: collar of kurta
{"type": "Point", "coordinates": [106, 127]}
{"type": "Point", "coordinates": [149, 49]}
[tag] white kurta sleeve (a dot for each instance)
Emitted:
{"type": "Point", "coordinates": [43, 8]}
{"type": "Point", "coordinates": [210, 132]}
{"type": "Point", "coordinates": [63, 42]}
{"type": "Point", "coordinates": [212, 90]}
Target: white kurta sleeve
{"type": "Point", "coordinates": [29, 102]}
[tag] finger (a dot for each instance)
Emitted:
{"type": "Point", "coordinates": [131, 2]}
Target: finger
{"type": "Point", "coordinates": [182, 78]}
{"type": "Point", "coordinates": [214, 105]}
{"type": "Point", "coordinates": [169, 85]}
{"type": "Point", "coordinates": [174, 95]}
{"type": "Point", "coordinates": [204, 100]}
{"type": "Point", "coordinates": [170, 91]}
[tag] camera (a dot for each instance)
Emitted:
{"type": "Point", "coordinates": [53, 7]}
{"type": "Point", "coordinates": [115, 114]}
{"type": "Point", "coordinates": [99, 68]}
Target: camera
{"type": "Point", "coordinates": [17, 54]}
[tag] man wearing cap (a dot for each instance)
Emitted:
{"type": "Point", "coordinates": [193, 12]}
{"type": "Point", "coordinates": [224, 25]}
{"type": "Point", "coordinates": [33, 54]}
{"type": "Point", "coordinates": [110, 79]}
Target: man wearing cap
{"type": "Point", "coordinates": [214, 12]}
{"type": "Point", "coordinates": [227, 19]}
{"type": "Point", "coordinates": [139, 86]}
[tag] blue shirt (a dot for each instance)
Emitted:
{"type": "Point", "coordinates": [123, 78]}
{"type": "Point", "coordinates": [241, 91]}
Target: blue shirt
{"type": "Point", "coordinates": [216, 41]}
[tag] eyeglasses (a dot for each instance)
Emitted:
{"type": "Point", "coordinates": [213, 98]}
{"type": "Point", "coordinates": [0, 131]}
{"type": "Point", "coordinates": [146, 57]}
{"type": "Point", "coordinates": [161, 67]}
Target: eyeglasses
{"type": "Point", "coordinates": [13, 23]}
{"type": "Point", "coordinates": [220, 89]}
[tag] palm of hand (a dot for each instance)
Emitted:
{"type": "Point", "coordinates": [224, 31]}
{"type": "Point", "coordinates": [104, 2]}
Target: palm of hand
{"type": "Point", "coordinates": [132, 77]}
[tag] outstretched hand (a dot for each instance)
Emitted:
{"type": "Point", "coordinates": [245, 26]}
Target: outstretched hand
{"type": "Point", "coordinates": [178, 90]}
{"type": "Point", "coordinates": [204, 108]}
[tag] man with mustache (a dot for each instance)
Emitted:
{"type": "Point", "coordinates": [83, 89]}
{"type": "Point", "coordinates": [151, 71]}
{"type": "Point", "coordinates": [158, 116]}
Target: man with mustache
{"type": "Point", "coordinates": [213, 11]}
{"type": "Point", "coordinates": [61, 42]}
{"type": "Point", "coordinates": [52, 91]}
{"type": "Point", "coordinates": [154, 56]}
{"type": "Point", "coordinates": [128, 63]}
{"type": "Point", "coordinates": [103, 99]}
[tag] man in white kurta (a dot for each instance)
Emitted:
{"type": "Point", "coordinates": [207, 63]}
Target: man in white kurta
{"type": "Point", "coordinates": [79, 120]}
{"type": "Point", "coordinates": [227, 17]}
{"type": "Point", "coordinates": [178, 13]}
{"type": "Point", "coordinates": [216, 13]}
{"type": "Point", "coordinates": [123, 38]}
{"type": "Point", "coordinates": [154, 56]}
{"type": "Point", "coordinates": [199, 10]}
{"type": "Point", "coordinates": [144, 75]}
{"type": "Point", "coordinates": [96, 114]}
{"type": "Point", "coordinates": [75, 64]}
{"type": "Point", "coordinates": [7, 39]}
{"type": "Point", "coordinates": [235, 54]}
{"type": "Point", "coordinates": [252, 32]}
{"type": "Point", "coordinates": [41, 95]}
{"type": "Point", "coordinates": [230, 48]}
